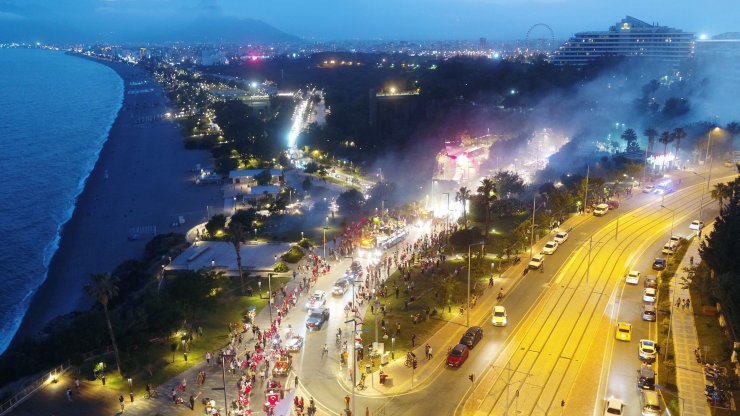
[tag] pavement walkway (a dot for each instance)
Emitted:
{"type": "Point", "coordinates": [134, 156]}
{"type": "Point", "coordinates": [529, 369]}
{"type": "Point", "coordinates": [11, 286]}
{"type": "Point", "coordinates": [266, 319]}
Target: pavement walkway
{"type": "Point", "coordinates": [690, 377]}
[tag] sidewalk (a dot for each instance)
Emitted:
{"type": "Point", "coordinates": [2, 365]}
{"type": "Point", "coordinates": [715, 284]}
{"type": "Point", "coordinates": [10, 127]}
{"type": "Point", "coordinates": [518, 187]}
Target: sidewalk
{"type": "Point", "coordinates": [400, 376]}
{"type": "Point", "coordinates": [689, 374]}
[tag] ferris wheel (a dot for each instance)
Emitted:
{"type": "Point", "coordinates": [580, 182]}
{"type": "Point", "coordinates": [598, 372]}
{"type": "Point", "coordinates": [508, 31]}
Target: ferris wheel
{"type": "Point", "coordinates": [542, 42]}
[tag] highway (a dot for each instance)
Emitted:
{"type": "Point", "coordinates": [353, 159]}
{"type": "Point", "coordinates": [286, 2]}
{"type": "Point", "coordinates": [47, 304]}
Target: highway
{"type": "Point", "coordinates": [531, 365]}
{"type": "Point", "coordinates": [547, 350]}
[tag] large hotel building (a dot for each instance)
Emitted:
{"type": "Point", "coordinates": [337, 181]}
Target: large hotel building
{"type": "Point", "coordinates": [630, 37]}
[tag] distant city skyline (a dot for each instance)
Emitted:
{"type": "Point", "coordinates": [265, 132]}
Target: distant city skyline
{"type": "Point", "coordinates": [374, 20]}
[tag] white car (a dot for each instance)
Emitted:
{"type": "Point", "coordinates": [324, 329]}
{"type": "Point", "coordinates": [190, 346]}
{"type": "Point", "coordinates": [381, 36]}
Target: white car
{"type": "Point", "coordinates": [649, 294]}
{"type": "Point", "coordinates": [560, 237]}
{"type": "Point", "coordinates": [646, 350]}
{"type": "Point", "coordinates": [340, 287]}
{"type": "Point", "coordinates": [601, 210]}
{"type": "Point", "coordinates": [499, 316]}
{"type": "Point", "coordinates": [675, 239]}
{"type": "Point", "coordinates": [648, 189]}
{"type": "Point", "coordinates": [669, 248]}
{"type": "Point", "coordinates": [550, 247]}
{"type": "Point", "coordinates": [633, 277]}
{"type": "Point", "coordinates": [538, 260]}
{"type": "Point", "coordinates": [317, 300]}
{"type": "Point", "coordinates": [696, 225]}
{"type": "Point", "coordinates": [614, 407]}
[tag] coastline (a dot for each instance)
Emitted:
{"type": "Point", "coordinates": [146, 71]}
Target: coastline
{"type": "Point", "coordinates": [141, 179]}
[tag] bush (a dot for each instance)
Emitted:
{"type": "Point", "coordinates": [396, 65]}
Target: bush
{"type": "Point", "coordinates": [304, 243]}
{"type": "Point", "coordinates": [280, 267]}
{"type": "Point", "coordinates": [294, 255]}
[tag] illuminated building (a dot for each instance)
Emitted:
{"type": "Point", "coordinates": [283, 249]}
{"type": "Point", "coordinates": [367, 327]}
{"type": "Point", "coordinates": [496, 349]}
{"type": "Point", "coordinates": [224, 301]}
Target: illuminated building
{"type": "Point", "coordinates": [630, 37]}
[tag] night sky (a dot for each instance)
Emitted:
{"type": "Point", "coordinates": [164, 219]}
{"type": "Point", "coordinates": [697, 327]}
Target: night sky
{"type": "Point", "coordinates": [385, 19]}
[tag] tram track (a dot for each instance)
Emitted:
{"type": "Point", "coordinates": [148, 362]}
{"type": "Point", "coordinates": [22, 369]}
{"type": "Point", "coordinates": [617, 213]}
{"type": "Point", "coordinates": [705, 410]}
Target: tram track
{"type": "Point", "coordinates": [574, 302]}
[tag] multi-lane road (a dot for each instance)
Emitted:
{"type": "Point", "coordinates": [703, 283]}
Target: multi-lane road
{"type": "Point", "coordinates": [559, 344]}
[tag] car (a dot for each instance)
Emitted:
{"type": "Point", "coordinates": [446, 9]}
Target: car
{"type": "Point", "coordinates": [458, 355]}
{"type": "Point", "coordinates": [651, 281]}
{"type": "Point", "coordinates": [601, 210]}
{"type": "Point", "coordinates": [614, 407]}
{"type": "Point", "coordinates": [560, 237]}
{"type": "Point", "coordinates": [646, 377]}
{"type": "Point", "coordinates": [648, 312]}
{"type": "Point", "coordinates": [632, 277]}
{"type": "Point", "coordinates": [650, 403]}
{"type": "Point", "coordinates": [663, 188]}
{"type": "Point", "coordinates": [696, 225]}
{"type": "Point", "coordinates": [613, 204]}
{"type": "Point", "coordinates": [659, 264]}
{"type": "Point", "coordinates": [499, 317]}
{"type": "Point", "coordinates": [648, 189]}
{"type": "Point", "coordinates": [669, 248]}
{"type": "Point", "coordinates": [675, 239]}
{"type": "Point", "coordinates": [317, 300]}
{"type": "Point", "coordinates": [538, 261]}
{"type": "Point", "coordinates": [282, 366]}
{"type": "Point", "coordinates": [317, 318]}
{"type": "Point", "coordinates": [472, 336]}
{"type": "Point", "coordinates": [624, 331]}
{"type": "Point", "coordinates": [550, 247]}
{"type": "Point", "coordinates": [294, 343]}
{"type": "Point", "coordinates": [340, 287]}
{"type": "Point", "coordinates": [649, 294]}
{"type": "Point", "coordinates": [646, 350]}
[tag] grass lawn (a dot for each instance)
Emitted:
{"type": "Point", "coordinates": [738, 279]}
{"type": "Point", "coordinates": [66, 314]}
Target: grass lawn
{"type": "Point", "coordinates": [715, 344]}
{"type": "Point", "coordinates": [451, 291]}
{"type": "Point", "coordinates": [156, 363]}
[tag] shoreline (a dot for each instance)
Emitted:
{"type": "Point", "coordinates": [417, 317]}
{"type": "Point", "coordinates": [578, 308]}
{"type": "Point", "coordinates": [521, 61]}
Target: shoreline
{"type": "Point", "coordinates": [141, 179]}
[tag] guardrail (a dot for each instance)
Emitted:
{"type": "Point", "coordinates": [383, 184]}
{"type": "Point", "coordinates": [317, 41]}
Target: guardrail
{"type": "Point", "coordinates": [27, 391]}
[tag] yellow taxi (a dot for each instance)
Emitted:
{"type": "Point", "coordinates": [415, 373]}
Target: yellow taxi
{"type": "Point", "coordinates": [624, 331]}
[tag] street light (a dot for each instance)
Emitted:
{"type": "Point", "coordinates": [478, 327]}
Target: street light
{"type": "Point", "coordinates": [701, 199]}
{"type": "Point", "coordinates": [269, 294]}
{"type": "Point", "coordinates": [482, 244]}
{"type": "Point", "coordinates": [531, 236]}
{"type": "Point", "coordinates": [325, 227]}
{"type": "Point", "coordinates": [672, 218]}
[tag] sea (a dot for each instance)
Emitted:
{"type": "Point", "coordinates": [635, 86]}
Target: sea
{"type": "Point", "coordinates": [55, 114]}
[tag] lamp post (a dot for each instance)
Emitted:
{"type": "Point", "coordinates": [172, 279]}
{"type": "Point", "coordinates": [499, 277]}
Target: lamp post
{"type": "Point", "coordinates": [482, 244]}
{"type": "Point", "coordinates": [269, 294]}
{"type": "Point", "coordinates": [673, 217]}
{"type": "Point", "coordinates": [531, 236]}
{"type": "Point", "coordinates": [701, 199]}
{"type": "Point", "coordinates": [325, 227]}
{"type": "Point", "coordinates": [447, 216]}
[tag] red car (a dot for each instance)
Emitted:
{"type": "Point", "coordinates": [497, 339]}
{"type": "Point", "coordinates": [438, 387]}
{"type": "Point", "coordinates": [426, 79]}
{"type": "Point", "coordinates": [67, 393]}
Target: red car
{"type": "Point", "coordinates": [458, 355]}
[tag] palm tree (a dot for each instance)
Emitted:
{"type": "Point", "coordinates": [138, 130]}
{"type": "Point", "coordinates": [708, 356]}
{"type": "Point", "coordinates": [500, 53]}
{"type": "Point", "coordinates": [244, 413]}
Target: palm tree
{"type": "Point", "coordinates": [630, 137]}
{"type": "Point", "coordinates": [721, 192]}
{"type": "Point", "coordinates": [238, 230]}
{"type": "Point", "coordinates": [678, 134]}
{"type": "Point", "coordinates": [733, 129]}
{"type": "Point", "coordinates": [463, 195]}
{"type": "Point", "coordinates": [665, 138]}
{"type": "Point", "coordinates": [102, 287]}
{"type": "Point", "coordinates": [487, 194]}
{"type": "Point", "coordinates": [651, 134]}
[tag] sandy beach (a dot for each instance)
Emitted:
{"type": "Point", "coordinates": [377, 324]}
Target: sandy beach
{"type": "Point", "coordinates": [142, 180]}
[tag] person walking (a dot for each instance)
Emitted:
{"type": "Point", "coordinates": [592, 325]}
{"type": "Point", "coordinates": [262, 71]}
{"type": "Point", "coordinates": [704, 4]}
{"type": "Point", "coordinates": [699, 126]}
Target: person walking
{"type": "Point", "coordinates": [678, 303]}
{"type": "Point", "coordinates": [688, 304]}
{"type": "Point", "coordinates": [325, 351]}
{"type": "Point", "coordinates": [102, 378]}
{"type": "Point", "coordinates": [208, 359]}
{"type": "Point", "coordinates": [413, 340]}
{"type": "Point", "coordinates": [69, 394]}
{"type": "Point", "coordinates": [131, 396]}
{"type": "Point", "coordinates": [192, 402]}
{"type": "Point", "coordinates": [77, 384]}
{"type": "Point", "coordinates": [122, 403]}
{"type": "Point", "coordinates": [398, 329]}
{"type": "Point", "coordinates": [430, 353]}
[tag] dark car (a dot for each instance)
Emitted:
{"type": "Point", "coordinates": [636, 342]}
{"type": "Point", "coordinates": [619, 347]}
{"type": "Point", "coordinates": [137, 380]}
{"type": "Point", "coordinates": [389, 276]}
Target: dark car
{"type": "Point", "coordinates": [316, 318]}
{"type": "Point", "coordinates": [458, 355]}
{"type": "Point", "coordinates": [659, 264]}
{"type": "Point", "coordinates": [472, 336]}
{"type": "Point", "coordinates": [356, 268]}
